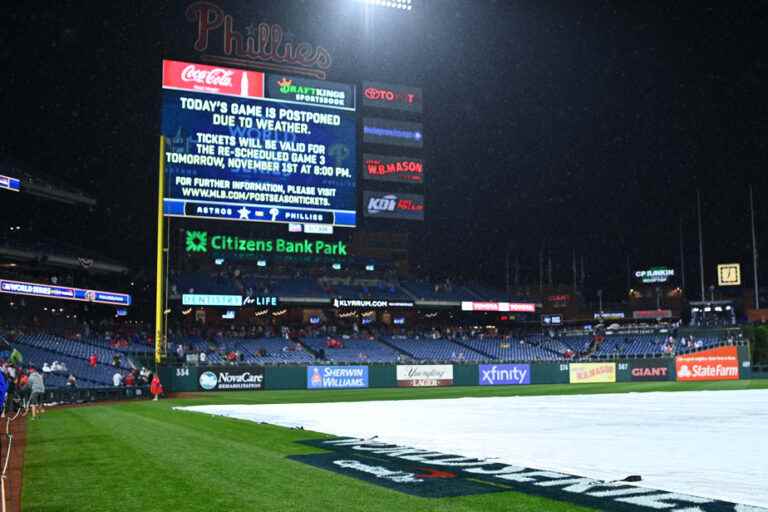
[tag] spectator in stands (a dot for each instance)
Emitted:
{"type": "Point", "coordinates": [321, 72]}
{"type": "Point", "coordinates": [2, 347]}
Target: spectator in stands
{"type": "Point", "coordinates": [116, 360]}
{"type": "Point", "coordinates": [129, 380]}
{"type": "Point", "coordinates": [37, 390]}
{"type": "Point", "coordinates": [92, 360]}
{"type": "Point", "coordinates": [16, 358]}
{"type": "Point", "coordinates": [46, 368]}
{"type": "Point", "coordinates": [58, 367]}
{"type": "Point", "coordinates": [117, 379]}
{"type": "Point", "coordinates": [71, 381]}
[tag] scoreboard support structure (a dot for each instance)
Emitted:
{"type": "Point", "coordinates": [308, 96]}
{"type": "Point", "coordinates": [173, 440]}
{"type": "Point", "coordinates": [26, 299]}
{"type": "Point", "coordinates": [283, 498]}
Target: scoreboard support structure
{"type": "Point", "coordinates": [161, 342]}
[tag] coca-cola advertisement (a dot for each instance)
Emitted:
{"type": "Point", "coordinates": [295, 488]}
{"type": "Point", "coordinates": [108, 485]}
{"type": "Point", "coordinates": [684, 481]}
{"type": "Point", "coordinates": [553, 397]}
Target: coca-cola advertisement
{"type": "Point", "coordinates": [212, 79]}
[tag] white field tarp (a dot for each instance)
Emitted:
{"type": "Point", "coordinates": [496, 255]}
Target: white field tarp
{"type": "Point", "coordinates": [712, 444]}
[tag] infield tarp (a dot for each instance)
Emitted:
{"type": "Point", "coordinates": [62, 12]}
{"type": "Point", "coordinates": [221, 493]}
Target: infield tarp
{"type": "Point", "coordinates": [704, 443]}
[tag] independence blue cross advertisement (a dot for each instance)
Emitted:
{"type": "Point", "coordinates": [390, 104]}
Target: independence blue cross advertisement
{"type": "Point", "coordinates": [337, 377]}
{"type": "Point", "coordinates": [234, 153]}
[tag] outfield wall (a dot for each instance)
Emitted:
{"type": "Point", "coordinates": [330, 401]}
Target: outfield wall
{"type": "Point", "coordinates": [720, 363]}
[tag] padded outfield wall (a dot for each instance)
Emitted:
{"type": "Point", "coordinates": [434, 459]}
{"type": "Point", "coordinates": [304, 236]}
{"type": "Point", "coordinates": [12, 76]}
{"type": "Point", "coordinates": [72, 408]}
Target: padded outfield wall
{"type": "Point", "coordinates": [720, 363]}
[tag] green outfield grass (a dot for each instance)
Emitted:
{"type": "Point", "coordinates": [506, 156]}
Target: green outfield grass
{"type": "Point", "coordinates": [144, 456]}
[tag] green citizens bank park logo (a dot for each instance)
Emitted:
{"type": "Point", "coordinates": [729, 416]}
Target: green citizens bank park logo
{"type": "Point", "coordinates": [201, 241]}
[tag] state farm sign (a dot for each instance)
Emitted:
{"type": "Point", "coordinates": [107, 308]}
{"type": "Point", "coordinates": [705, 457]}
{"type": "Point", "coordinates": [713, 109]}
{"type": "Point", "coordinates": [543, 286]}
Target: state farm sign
{"type": "Point", "coordinates": [721, 363]}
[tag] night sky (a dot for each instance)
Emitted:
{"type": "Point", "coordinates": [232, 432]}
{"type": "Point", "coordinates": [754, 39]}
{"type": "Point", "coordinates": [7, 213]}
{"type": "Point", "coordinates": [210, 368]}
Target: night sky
{"type": "Point", "coordinates": [575, 126]}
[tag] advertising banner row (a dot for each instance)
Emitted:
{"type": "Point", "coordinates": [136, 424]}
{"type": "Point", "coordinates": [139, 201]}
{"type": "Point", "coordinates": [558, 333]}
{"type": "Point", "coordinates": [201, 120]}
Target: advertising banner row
{"type": "Point", "coordinates": [721, 363]}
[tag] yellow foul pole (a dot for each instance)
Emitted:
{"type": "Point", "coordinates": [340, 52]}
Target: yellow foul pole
{"type": "Point", "coordinates": [159, 278]}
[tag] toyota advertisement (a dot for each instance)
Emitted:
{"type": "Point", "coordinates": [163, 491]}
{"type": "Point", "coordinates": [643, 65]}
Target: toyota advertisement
{"type": "Point", "coordinates": [419, 376]}
{"type": "Point", "coordinates": [721, 363]}
{"type": "Point", "coordinates": [337, 377]}
{"type": "Point", "coordinates": [394, 205]}
{"type": "Point", "coordinates": [391, 96]}
{"type": "Point", "coordinates": [504, 374]}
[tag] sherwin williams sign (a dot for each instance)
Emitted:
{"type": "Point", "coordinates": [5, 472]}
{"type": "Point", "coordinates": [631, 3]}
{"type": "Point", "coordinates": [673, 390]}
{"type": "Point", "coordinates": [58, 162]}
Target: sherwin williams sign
{"type": "Point", "coordinates": [721, 363]}
{"type": "Point", "coordinates": [337, 377]}
{"type": "Point", "coordinates": [504, 374]}
{"type": "Point", "coordinates": [432, 375]}
{"type": "Point", "coordinates": [587, 373]}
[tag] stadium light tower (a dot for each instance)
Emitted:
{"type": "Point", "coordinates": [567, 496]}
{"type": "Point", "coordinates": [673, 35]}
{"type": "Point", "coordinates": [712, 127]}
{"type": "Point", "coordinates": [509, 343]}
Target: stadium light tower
{"type": "Point", "coordinates": [404, 5]}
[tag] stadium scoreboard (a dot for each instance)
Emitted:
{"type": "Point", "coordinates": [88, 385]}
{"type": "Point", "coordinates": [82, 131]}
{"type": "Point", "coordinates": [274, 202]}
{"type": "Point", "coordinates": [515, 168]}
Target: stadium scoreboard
{"type": "Point", "coordinates": [262, 147]}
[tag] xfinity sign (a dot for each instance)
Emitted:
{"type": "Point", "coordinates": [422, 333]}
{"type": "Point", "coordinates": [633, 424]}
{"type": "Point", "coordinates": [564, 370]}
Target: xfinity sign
{"type": "Point", "coordinates": [504, 374]}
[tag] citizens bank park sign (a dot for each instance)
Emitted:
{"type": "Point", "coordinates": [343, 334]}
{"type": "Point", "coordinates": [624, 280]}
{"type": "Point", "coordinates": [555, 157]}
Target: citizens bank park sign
{"type": "Point", "coordinates": [431, 474]}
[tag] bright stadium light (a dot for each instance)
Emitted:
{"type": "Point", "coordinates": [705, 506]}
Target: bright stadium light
{"type": "Point", "coordinates": [404, 5]}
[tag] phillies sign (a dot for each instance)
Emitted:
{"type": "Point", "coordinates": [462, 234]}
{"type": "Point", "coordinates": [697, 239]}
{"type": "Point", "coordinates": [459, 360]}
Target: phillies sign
{"type": "Point", "coordinates": [264, 44]}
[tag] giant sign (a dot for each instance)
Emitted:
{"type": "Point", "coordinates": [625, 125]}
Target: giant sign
{"type": "Point", "coordinates": [721, 363]}
{"type": "Point", "coordinates": [401, 169]}
{"type": "Point", "coordinates": [504, 374]}
{"type": "Point", "coordinates": [337, 377]}
{"type": "Point", "coordinates": [8, 183]}
{"type": "Point", "coordinates": [233, 152]}
{"type": "Point", "coordinates": [393, 205]}
{"type": "Point", "coordinates": [650, 370]}
{"type": "Point", "coordinates": [63, 292]}
{"type": "Point", "coordinates": [417, 376]}
{"type": "Point", "coordinates": [589, 373]}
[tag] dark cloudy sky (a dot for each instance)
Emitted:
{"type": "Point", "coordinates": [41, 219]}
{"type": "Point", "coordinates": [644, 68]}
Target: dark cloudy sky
{"type": "Point", "coordinates": [579, 126]}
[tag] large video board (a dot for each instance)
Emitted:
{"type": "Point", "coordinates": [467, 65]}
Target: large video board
{"type": "Point", "coordinates": [252, 146]}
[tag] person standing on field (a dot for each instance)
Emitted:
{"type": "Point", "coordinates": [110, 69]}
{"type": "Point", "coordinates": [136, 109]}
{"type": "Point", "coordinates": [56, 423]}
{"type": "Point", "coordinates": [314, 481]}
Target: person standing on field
{"type": "Point", "coordinates": [37, 388]}
{"type": "Point", "coordinates": [156, 388]}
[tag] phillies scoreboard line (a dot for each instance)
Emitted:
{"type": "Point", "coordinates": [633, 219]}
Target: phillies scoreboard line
{"type": "Point", "coordinates": [255, 146]}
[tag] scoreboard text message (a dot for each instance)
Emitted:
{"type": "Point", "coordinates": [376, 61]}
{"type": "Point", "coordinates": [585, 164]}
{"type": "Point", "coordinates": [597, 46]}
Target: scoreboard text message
{"type": "Point", "coordinates": [233, 153]}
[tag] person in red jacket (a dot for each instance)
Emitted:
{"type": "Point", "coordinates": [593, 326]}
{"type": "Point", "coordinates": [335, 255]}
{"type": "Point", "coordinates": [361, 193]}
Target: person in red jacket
{"type": "Point", "coordinates": [156, 388]}
{"type": "Point", "coordinates": [92, 360]}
